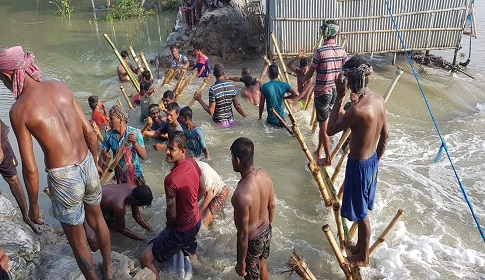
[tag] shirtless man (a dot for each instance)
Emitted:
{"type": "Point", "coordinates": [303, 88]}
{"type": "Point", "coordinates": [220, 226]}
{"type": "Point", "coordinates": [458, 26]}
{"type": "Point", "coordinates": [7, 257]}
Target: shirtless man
{"type": "Point", "coordinates": [253, 202]}
{"type": "Point", "coordinates": [253, 87]}
{"type": "Point", "coordinates": [300, 73]}
{"type": "Point", "coordinates": [367, 120]}
{"type": "Point", "coordinates": [48, 111]}
{"type": "Point", "coordinates": [122, 75]}
{"type": "Point", "coordinates": [113, 205]}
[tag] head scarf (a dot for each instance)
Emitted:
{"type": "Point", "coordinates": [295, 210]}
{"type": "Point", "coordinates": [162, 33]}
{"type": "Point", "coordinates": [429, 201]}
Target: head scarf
{"type": "Point", "coordinates": [329, 29]}
{"type": "Point", "coordinates": [120, 112]}
{"type": "Point", "coordinates": [14, 59]}
{"type": "Point", "coordinates": [359, 75]}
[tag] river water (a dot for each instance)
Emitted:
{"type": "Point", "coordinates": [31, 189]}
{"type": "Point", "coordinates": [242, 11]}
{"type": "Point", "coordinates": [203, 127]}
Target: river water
{"type": "Point", "coordinates": [436, 238]}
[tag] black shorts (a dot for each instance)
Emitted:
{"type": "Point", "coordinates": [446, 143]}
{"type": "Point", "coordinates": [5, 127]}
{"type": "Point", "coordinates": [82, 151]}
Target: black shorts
{"type": "Point", "coordinates": [8, 166]}
{"type": "Point", "coordinates": [258, 248]}
{"type": "Point", "coordinates": [323, 105]}
{"type": "Point", "coordinates": [170, 241]}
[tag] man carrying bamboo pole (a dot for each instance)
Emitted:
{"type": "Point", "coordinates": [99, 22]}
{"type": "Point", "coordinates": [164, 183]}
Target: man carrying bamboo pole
{"type": "Point", "coordinates": [129, 168]}
{"type": "Point", "coordinates": [49, 111]}
{"type": "Point", "coordinates": [273, 92]}
{"type": "Point", "coordinates": [122, 75]}
{"type": "Point", "coordinates": [253, 202]}
{"type": "Point", "coordinates": [178, 60]}
{"type": "Point", "coordinates": [367, 120]}
{"type": "Point", "coordinates": [327, 61]}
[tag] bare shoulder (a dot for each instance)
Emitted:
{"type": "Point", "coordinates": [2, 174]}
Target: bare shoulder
{"type": "Point", "coordinates": [241, 194]}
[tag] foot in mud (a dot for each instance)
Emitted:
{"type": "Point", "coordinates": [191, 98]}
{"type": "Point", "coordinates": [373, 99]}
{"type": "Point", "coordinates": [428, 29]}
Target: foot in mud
{"type": "Point", "coordinates": [357, 261]}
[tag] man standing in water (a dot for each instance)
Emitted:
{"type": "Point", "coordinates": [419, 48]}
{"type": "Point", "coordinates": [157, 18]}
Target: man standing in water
{"type": "Point", "coordinates": [253, 202]}
{"type": "Point", "coordinates": [49, 111]}
{"type": "Point", "coordinates": [183, 216]}
{"type": "Point", "coordinates": [367, 120]}
{"type": "Point", "coordinates": [327, 61]}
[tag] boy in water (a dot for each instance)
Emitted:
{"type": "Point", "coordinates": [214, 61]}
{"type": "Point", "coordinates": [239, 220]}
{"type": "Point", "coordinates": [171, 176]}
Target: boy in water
{"type": "Point", "coordinates": [300, 74]}
{"type": "Point", "coordinates": [253, 87]}
{"type": "Point", "coordinates": [171, 126]}
{"type": "Point", "coordinates": [97, 116]}
{"type": "Point", "coordinates": [195, 139]}
{"type": "Point", "coordinates": [202, 63]}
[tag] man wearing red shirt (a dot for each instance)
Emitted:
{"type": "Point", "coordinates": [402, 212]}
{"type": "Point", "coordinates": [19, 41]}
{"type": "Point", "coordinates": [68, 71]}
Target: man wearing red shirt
{"type": "Point", "coordinates": [183, 217]}
{"type": "Point", "coordinates": [99, 118]}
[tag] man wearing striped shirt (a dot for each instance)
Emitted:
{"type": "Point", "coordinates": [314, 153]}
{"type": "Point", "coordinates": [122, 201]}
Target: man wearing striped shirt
{"type": "Point", "coordinates": [327, 61]}
{"type": "Point", "coordinates": [222, 95]}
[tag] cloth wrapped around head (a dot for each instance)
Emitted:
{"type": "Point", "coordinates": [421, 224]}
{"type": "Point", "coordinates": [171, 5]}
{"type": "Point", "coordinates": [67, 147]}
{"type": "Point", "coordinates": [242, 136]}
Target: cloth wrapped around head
{"type": "Point", "coordinates": [120, 112]}
{"type": "Point", "coordinates": [14, 59]}
{"type": "Point", "coordinates": [357, 70]}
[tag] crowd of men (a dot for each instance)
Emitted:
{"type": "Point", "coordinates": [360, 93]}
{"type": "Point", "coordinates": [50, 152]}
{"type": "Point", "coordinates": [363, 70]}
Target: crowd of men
{"type": "Point", "coordinates": [87, 210]}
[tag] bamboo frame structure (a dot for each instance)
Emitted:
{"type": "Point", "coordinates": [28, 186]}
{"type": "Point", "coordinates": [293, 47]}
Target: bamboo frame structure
{"type": "Point", "coordinates": [96, 130]}
{"type": "Point", "coordinates": [186, 84]}
{"type": "Point", "coordinates": [135, 58]}
{"type": "Point", "coordinates": [339, 165]}
{"type": "Point", "coordinates": [280, 58]}
{"type": "Point", "coordinates": [130, 74]}
{"type": "Point", "coordinates": [353, 229]}
{"type": "Point", "coordinates": [111, 168]}
{"type": "Point", "coordinates": [386, 231]}
{"type": "Point", "coordinates": [128, 101]}
{"type": "Point", "coordinates": [340, 227]}
{"type": "Point", "coordinates": [147, 66]}
{"type": "Point", "coordinates": [298, 265]}
{"type": "Point", "coordinates": [171, 76]}
{"type": "Point", "coordinates": [340, 258]}
{"type": "Point", "coordinates": [282, 121]}
{"type": "Point", "coordinates": [201, 87]}
{"type": "Point", "coordinates": [167, 74]}
{"type": "Point", "coordinates": [179, 83]}
{"type": "Point", "coordinates": [340, 143]}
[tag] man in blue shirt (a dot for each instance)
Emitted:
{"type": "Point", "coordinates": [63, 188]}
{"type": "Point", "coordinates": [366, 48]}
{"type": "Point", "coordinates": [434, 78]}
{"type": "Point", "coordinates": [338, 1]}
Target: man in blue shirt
{"type": "Point", "coordinates": [129, 168]}
{"type": "Point", "coordinates": [274, 93]}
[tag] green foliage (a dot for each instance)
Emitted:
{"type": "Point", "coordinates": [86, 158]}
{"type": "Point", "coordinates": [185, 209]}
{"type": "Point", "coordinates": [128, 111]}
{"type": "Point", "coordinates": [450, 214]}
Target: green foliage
{"type": "Point", "coordinates": [126, 9]}
{"type": "Point", "coordinates": [170, 5]}
{"type": "Point", "coordinates": [63, 8]}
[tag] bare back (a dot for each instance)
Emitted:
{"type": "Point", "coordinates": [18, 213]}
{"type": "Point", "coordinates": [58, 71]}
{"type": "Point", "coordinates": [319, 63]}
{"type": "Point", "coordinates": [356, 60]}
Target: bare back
{"type": "Point", "coordinates": [255, 193]}
{"type": "Point", "coordinates": [370, 122]}
{"type": "Point", "coordinates": [115, 198]}
{"type": "Point", "coordinates": [49, 112]}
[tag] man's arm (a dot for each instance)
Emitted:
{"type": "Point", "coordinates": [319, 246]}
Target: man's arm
{"type": "Point", "coordinates": [198, 97]}
{"type": "Point", "coordinates": [265, 69]}
{"type": "Point", "coordinates": [293, 93]}
{"type": "Point", "coordinates": [209, 195]}
{"type": "Point", "coordinates": [261, 105]}
{"type": "Point", "coordinates": [339, 118]}
{"type": "Point", "coordinates": [1, 151]}
{"type": "Point", "coordinates": [138, 217]}
{"type": "Point", "coordinates": [271, 205]}
{"type": "Point", "coordinates": [137, 142]}
{"type": "Point", "coordinates": [241, 220]}
{"type": "Point", "coordinates": [119, 224]}
{"type": "Point", "coordinates": [384, 137]}
{"type": "Point", "coordinates": [238, 107]}
{"type": "Point", "coordinates": [29, 167]}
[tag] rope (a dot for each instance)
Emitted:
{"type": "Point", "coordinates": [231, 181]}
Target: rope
{"type": "Point", "coordinates": [443, 143]}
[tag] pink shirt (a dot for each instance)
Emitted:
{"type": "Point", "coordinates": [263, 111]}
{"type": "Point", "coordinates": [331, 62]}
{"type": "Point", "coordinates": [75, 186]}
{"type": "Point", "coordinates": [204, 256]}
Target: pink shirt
{"type": "Point", "coordinates": [328, 61]}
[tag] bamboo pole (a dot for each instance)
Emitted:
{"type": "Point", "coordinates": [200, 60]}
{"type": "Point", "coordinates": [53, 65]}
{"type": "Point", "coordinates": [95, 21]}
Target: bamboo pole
{"type": "Point", "coordinates": [341, 191]}
{"type": "Point", "coordinates": [340, 258]}
{"type": "Point", "coordinates": [113, 164]}
{"type": "Point", "coordinates": [340, 227]}
{"type": "Point", "coordinates": [147, 125]}
{"type": "Point", "coordinates": [389, 90]}
{"type": "Point", "coordinates": [340, 143]}
{"type": "Point", "coordinates": [167, 74]}
{"type": "Point", "coordinates": [119, 102]}
{"type": "Point", "coordinates": [353, 229]}
{"type": "Point", "coordinates": [128, 101]}
{"type": "Point", "coordinates": [201, 87]}
{"type": "Point", "coordinates": [135, 58]}
{"type": "Point", "coordinates": [172, 75]}
{"type": "Point", "coordinates": [96, 130]}
{"type": "Point", "coordinates": [283, 66]}
{"type": "Point", "coordinates": [186, 84]}
{"type": "Point", "coordinates": [179, 83]}
{"type": "Point", "coordinates": [310, 99]}
{"type": "Point", "coordinates": [282, 121]}
{"type": "Point", "coordinates": [386, 231]}
{"type": "Point", "coordinates": [147, 67]}
{"type": "Point", "coordinates": [123, 63]}
{"type": "Point", "coordinates": [313, 120]}
{"type": "Point", "coordinates": [298, 265]}
{"type": "Point", "coordinates": [340, 164]}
